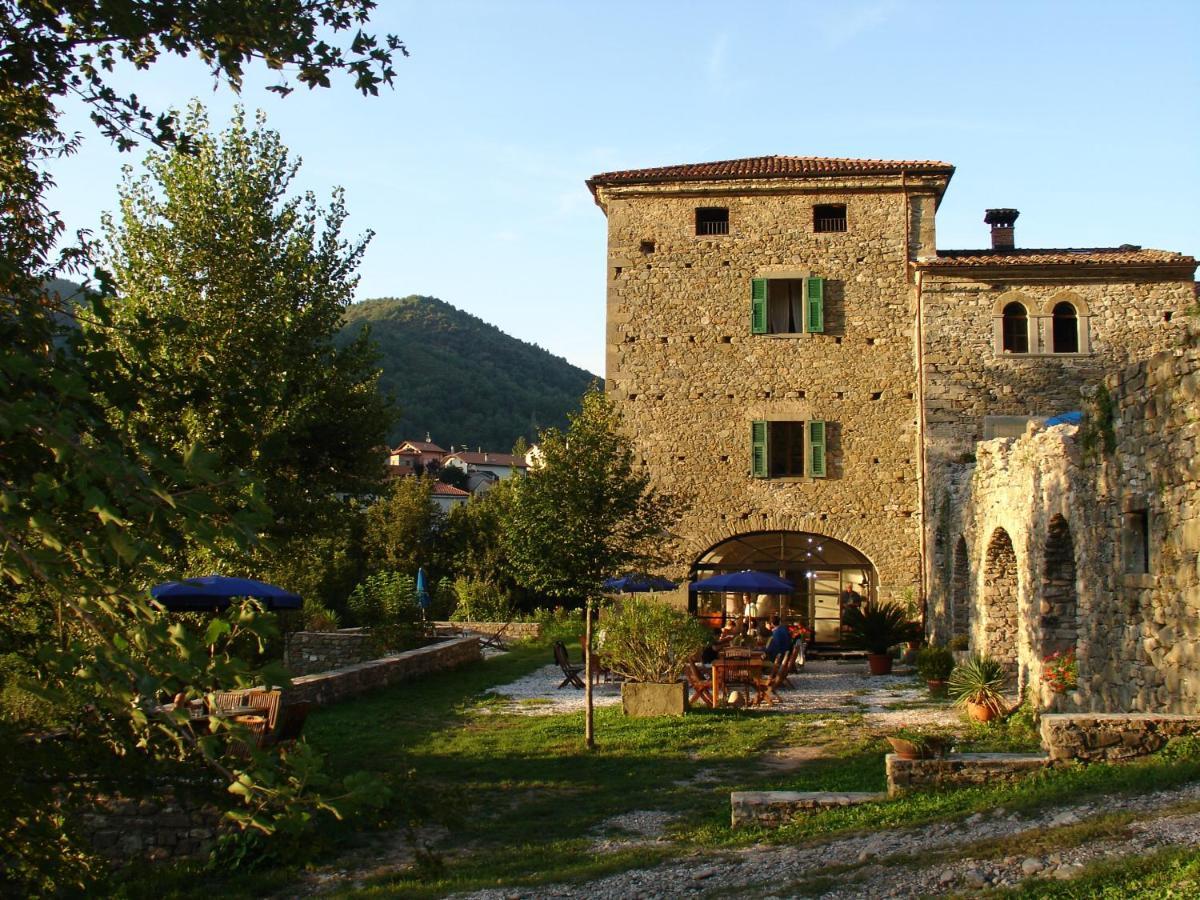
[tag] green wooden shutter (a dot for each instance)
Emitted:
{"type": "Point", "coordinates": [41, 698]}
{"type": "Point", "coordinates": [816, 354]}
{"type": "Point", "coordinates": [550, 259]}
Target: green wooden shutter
{"type": "Point", "coordinates": [758, 306]}
{"type": "Point", "coordinates": [815, 289]}
{"type": "Point", "coordinates": [816, 448]}
{"type": "Point", "coordinates": [759, 439]}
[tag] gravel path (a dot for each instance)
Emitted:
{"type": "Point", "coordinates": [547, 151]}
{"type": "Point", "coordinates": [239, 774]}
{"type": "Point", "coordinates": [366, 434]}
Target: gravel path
{"type": "Point", "coordinates": [880, 865]}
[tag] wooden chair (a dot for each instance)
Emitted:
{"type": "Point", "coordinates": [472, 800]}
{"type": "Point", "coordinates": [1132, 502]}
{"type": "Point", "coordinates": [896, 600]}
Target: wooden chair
{"type": "Point", "coordinates": [291, 722]}
{"type": "Point", "coordinates": [765, 686]}
{"type": "Point", "coordinates": [701, 689]}
{"type": "Point", "coordinates": [569, 669]}
{"type": "Point", "coordinates": [796, 653]}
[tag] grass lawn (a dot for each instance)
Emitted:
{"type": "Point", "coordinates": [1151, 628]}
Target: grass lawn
{"type": "Point", "coordinates": [501, 798]}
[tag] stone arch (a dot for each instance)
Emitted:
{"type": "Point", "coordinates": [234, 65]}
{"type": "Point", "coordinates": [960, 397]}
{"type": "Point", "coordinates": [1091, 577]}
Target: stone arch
{"type": "Point", "coordinates": [828, 574]}
{"type": "Point", "coordinates": [1060, 598]}
{"type": "Point", "coordinates": [960, 592]}
{"type": "Point", "coordinates": [999, 601]}
{"type": "Point", "coordinates": [1072, 297]}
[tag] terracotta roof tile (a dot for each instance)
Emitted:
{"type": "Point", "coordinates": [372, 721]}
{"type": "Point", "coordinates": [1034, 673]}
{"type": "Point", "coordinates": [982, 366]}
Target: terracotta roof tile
{"type": "Point", "coordinates": [771, 167]}
{"type": "Point", "coordinates": [449, 490]}
{"type": "Point", "coordinates": [422, 446]}
{"type": "Point", "coordinates": [1066, 256]}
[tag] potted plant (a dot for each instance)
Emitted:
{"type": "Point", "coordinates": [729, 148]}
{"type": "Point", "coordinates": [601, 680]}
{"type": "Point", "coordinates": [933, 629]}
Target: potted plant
{"type": "Point", "coordinates": [978, 685]}
{"type": "Point", "coordinates": [877, 629]}
{"type": "Point", "coordinates": [916, 743]}
{"type": "Point", "coordinates": [934, 664]}
{"type": "Point", "coordinates": [648, 643]}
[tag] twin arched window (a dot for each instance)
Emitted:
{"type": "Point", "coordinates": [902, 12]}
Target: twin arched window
{"type": "Point", "coordinates": [1062, 333]}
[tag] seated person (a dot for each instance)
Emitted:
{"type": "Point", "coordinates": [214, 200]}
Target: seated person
{"type": "Point", "coordinates": [781, 639]}
{"type": "Point", "coordinates": [713, 650]}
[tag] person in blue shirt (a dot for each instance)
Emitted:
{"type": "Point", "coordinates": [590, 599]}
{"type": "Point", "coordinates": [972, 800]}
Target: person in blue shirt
{"type": "Point", "coordinates": [781, 639]}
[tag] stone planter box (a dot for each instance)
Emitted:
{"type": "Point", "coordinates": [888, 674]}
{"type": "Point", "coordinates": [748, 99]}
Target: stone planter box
{"type": "Point", "coordinates": [645, 700]}
{"type": "Point", "coordinates": [1092, 737]}
{"type": "Point", "coordinates": [960, 770]}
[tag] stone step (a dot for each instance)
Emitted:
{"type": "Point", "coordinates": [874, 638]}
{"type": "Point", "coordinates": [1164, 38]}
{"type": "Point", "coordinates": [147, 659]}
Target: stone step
{"type": "Point", "coordinates": [959, 770]}
{"type": "Point", "coordinates": [774, 808]}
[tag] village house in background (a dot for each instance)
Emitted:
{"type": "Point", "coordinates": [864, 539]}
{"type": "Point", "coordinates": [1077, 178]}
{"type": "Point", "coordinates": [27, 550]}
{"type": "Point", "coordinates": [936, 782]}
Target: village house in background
{"type": "Point", "coordinates": [479, 469]}
{"type": "Point", "coordinates": [842, 403]}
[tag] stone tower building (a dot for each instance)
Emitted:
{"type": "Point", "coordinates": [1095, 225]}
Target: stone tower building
{"type": "Point", "coordinates": [798, 362]}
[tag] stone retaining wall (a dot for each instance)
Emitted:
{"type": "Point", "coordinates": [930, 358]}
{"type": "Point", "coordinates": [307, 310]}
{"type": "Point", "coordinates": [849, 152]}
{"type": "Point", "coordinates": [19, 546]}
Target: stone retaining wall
{"type": "Point", "coordinates": [774, 808]}
{"type": "Point", "coordinates": [319, 651]}
{"type": "Point", "coordinates": [1112, 737]}
{"type": "Point", "coordinates": [165, 824]}
{"type": "Point", "coordinates": [516, 631]}
{"type": "Point", "coordinates": [960, 770]}
{"type": "Point", "coordinates": [325, 688]}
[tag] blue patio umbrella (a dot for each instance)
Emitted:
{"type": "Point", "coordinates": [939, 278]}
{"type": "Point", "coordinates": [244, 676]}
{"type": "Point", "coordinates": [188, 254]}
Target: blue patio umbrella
{"type": "Point", "coordinates": [422, 593]}
{"type": "Point", "coordinates": [747, 581]}
{"type": "Point", "coordinates": [217, 591]}
{"type": "Point", "coordinates": [638, 584]}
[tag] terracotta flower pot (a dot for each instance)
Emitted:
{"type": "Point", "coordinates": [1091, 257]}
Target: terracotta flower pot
{"type": "Point", "coordinates": [937, 688]}
{"type": "Point", "coordinates": [904, 749]}
{"type": "Point", "coordinates": [879, 663]}
{"type": "Point", "coordinates": [982, 712]}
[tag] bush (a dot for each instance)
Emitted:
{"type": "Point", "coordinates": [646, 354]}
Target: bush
{"type": "Point", "coordinates": [387, 604]}
{"type": "Point", "coordinates": [980, 680]}
{"type": "Point", "coordinates": [935, 663]}
{"type": "Point", "coordinates": [881, 626]}
{"type": "Point", "coordinates": [318, 617]}
{"type": "Point", "coordinates": [646, 640]}
{"type": "Point", "coordinates": [480, 600]}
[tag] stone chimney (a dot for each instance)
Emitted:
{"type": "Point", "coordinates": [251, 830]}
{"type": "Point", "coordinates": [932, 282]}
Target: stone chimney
{"type": "Point", "coordinates": [1002, 221]}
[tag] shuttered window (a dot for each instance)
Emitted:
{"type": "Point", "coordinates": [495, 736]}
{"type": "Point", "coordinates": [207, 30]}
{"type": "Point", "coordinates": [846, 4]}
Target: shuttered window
{"type": "Point", "coordinates": [758, 449]}
{"type": "Point", "coordinates": [814, 289]}
{"type": "Point", "coordinates": [758, 306]}
{"type": "Point", "coordinates": [816, 448]}
{"type": "Point", "coordinates": [788, 449]}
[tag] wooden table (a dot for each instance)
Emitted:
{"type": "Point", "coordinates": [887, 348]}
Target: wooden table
{"type": "Point", "coordinates": [735, 668]}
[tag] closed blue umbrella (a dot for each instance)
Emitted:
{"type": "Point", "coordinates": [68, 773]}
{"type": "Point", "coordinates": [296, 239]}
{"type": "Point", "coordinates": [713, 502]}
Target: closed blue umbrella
{"type": "Point", "coordinates": [747, 580]}
{"type": "Point", "coordinates": [422, 593]}
{"type": "Point", "coordinates": [217, 592]}
{"type": "Point", "coordinates": [638, 584]}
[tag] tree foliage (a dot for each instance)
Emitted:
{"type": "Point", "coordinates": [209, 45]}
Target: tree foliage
{"type": "Point", "coordinates": [86, 514]}
{"type": "Point", "coordinates": [585, 513]}
{"type": "Point", "coordinates": [402, 529]}
{"type": "Point", "coordinates": [232, 292]}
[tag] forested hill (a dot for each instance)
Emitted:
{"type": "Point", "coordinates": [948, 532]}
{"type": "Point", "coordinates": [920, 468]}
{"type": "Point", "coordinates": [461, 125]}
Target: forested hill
{"type": "Point", "coordinates": [463, 381]}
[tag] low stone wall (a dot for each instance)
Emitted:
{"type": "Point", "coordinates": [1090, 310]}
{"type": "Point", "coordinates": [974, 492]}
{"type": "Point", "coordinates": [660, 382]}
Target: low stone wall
{"type": "Point", "coordinates": [517, 631]}
{"type": "Point", "coordinates": [319, 651]}
{"type": "Point", "coordinates": [164, 824]}
{"type": "Point", "coordinates": [1112, 736]}
{"type": "Point", "coordinates": [770, 809]}
{"type": "Point", "coordinates": [325, 688]}
{"type": "Point", "coordinates": [959, 770]}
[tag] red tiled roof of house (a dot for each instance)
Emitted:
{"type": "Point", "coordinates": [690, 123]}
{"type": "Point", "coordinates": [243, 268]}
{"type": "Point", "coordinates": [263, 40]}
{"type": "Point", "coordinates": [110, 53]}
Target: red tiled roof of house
{"type": "Point", "coordinates": [449, 490]}
{"type": "Point", "coordinates": [473, 458]}
{"type": "Point", "coordinates": [771, 167]}
{"type": "Point", "coordinates": [1067, 256]}
{"type": "Point", "coordinates": [422, 446]}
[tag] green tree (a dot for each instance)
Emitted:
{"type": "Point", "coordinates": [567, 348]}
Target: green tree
{"type": "Point", "coordinates": [584, 514]}
{"type": "Point", "coordinates": [86, 516]}
{"type": "Point", "coordinates": [402, 529]}
{"type": "Point", "coordinates": [233, 292]}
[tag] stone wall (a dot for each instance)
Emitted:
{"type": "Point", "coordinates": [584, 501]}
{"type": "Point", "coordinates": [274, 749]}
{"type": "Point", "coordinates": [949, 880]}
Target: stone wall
{"type": "Point", "coordinates": [162, 824]}
{"type": "Point", "coordinates": [1091, 738]}
{"type": "Point", "coordinates": [689, 377]}
{"type": "Point", "coordinates": [319, 651]}
{"type": "Point", "coordinates": [1077, 517]}
{"type": "Point", "coordinates": [325, 688]}
{"type": "Point", "coordinates": [513, 631]}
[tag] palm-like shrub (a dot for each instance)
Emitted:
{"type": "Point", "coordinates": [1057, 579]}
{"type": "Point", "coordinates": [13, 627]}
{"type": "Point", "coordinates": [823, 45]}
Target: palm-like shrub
{"type": "Point", "coordinates": [881, 626]}
{"type": "Point", "coordinates": [980, 680]}
{"type": "Point", "coordinates": [648, 641]}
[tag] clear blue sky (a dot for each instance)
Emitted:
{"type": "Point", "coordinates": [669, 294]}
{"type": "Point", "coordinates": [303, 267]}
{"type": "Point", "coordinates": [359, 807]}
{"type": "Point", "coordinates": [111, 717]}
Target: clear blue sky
{"type": "Point", "coordinates": [1085, 116]}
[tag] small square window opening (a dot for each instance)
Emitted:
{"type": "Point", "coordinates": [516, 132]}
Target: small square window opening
{"type": "Point", "coordinates": [829, 217]}
{"type": "Point", "coordinates": [712, 220]}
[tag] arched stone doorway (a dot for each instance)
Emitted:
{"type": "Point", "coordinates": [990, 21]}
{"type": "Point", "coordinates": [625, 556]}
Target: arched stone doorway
{"type": "Point", "coordinates": [828, 575]}
{"type": "Point", "coordinates": [1060, 602]}
{"type": "Point", "coordinates": [960, 592]}
{"type": "Point", "coordinates": [999, 600]}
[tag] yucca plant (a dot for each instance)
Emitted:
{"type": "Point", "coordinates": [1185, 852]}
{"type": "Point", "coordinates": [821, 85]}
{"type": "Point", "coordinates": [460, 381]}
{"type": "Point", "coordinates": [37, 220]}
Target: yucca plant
{"type": "Point", "coordinates": [980, 680]}
{"type": "Point", "coordinates": [881, 626]}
